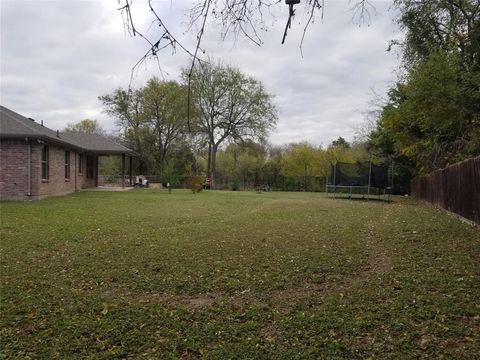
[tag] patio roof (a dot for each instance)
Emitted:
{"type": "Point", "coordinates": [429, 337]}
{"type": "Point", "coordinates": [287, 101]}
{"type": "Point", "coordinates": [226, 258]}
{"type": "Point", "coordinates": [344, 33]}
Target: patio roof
{"type": "Point", "coordinates": [96, 143]}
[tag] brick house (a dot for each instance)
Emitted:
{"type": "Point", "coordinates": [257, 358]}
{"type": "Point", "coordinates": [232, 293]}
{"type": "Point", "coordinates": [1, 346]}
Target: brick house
{"type": "Point", "coordinates": [36, 161]}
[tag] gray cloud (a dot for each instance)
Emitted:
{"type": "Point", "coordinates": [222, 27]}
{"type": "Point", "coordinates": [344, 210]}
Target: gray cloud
{"type": "Point", "coordinates": [57, 57]}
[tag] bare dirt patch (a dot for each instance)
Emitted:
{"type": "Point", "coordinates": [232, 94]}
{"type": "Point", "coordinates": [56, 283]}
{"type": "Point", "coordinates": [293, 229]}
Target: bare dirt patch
{"type": "Point", "coordinates": [271, 332]}
{"type": "Point", "coordinates": [378, 264]}
{"type": "Point", "coordinates": [197, 301]}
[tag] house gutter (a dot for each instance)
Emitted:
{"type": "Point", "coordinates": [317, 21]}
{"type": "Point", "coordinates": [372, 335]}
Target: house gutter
{"type": "Point", "coordinates": [76, 170]}
{"type": "Point", "coordinates": [46, 139]}
{"type": "Point", "coordinates": [29, 166]}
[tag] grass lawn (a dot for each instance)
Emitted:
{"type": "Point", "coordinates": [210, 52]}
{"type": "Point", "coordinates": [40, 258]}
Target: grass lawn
{"type": "Point", "coordinates": [147, 274]}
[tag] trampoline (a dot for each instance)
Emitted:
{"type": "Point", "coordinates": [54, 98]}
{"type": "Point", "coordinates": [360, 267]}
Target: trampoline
{"type": "Point", "coordinates": [361, 180]}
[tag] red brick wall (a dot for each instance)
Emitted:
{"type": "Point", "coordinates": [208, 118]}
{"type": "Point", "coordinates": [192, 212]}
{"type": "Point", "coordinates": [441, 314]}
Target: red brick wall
{"type": "Point", "coordinates": [13, 169]}
{"type": "Point", "coordinates": [56, 183]}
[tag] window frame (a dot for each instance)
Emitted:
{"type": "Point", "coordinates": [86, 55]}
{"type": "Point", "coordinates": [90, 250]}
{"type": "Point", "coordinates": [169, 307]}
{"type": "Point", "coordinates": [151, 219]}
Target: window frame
{"type": "Point", "coordinates": [90, 169]}
{"type": "Point", "coordinates": [45, 162]}
{"type": "Point", "coordinates": [67, 165]}
{"type": "Point", "coordinates": [80, 164]}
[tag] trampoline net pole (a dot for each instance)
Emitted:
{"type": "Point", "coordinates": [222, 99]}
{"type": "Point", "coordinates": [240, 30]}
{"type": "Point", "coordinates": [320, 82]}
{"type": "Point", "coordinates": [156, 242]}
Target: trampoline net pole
{"type": "Point", "coordinates": [334, 179]}
{"type": "Point", "coordinates": [369, 177]}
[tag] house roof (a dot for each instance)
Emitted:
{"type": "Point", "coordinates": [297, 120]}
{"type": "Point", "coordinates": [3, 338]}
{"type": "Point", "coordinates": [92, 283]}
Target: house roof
{"type": "Point", "coordinates": [16, 126]}
{"type": "Point", "coordinates": [95, 143]}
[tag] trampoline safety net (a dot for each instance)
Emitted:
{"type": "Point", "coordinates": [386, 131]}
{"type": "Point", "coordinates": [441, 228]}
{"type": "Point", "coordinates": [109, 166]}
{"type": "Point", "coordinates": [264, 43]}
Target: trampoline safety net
{"type": "Point", "coordinates": [365, 178]}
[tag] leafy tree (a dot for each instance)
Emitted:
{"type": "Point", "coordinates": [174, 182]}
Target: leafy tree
{"type": "Point", "coordinates": [165, 114]}
{"type": "Point", "coordinates": [226, 169]}
{"type": "Point", "coordinates": [183, 159]}
{"type": "Point", "coordinates": [432, 116]}
{"type": "Point", "coordinates": [340, 153]}
{"type": "Point", "coordinates": [86, 126]}
{"type": "Point", "coordinates": [125, 107]}
{"type": "Point", "coordinates": [229, 106]}
{"type": "Point", "coordinates": [304, 160]}
{"type": "Point", "coordinates": [250, 159]}
{"type": "Point", "coordinates": [152, 119]}
{"type": "Point", "coordinates": [341, 142]}
{"type": "Point", "coordinates": [451, 26]}
{"type": "Point", "coordinates": [241, 164]}
{"type": "Point", "coordinates": [272, 169]}
{"type": "Point", "coordinates": [426, 119]}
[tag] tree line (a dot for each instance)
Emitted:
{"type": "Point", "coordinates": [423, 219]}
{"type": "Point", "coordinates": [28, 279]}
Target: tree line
{"type": "Point", "coordinates": [431, 117]}
{"type": "Point", "coordinates": [225, 138]}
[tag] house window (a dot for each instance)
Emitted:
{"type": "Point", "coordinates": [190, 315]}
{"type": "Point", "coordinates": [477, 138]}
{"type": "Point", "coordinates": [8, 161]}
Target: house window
{"type": "Point", "coordinates": [80, 164]}
{"type": "Point", "coordinates": [90, 164]}
{"type": "Point", "coordinates": [45, 164]}
{"type": "Point", "coordinates": [67, 165]}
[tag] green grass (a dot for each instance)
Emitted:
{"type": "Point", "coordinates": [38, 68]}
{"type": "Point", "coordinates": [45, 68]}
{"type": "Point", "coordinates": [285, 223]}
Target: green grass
{"type": "Point", "coordinates": [147, 274]}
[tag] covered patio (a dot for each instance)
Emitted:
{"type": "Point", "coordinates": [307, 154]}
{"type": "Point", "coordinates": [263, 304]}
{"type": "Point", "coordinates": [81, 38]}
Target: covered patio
{"type": "Point", "coordinates": [100, 146]}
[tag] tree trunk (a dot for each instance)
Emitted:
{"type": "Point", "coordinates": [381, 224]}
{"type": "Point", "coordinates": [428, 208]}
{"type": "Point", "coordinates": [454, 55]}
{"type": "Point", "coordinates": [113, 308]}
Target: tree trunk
{"type": "Point", "coordinates": [212, 162]}
{"type": "Point", "coordinates": [209, 160]}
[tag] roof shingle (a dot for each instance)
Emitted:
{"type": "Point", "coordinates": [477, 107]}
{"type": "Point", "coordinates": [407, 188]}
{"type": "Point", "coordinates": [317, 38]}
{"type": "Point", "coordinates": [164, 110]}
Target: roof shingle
{"type": "Point", "coordinates": [16, 126]}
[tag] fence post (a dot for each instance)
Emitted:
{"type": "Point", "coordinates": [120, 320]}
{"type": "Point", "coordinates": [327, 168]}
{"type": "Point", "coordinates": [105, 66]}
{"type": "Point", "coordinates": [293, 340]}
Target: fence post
{"type": "Point", "coordinates": [369, 177]}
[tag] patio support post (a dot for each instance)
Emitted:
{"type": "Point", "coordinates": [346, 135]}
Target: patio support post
{"type": "Point", "coordinates": [75, 169]}
{"type": "Point", "coordinates": [123, 170]}
{"type": "Point", "coordinates": [130, 169]}
{"type": "Point", "coordinates": [95, 161]}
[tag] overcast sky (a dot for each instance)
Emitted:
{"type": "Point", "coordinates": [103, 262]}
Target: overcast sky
{"type": "Point", "coordinates": [57, 57]}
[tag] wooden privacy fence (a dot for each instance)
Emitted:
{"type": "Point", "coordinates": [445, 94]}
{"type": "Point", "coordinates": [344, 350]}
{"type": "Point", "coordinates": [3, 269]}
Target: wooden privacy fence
{"type": "Point", "coordinates": [455, 188]}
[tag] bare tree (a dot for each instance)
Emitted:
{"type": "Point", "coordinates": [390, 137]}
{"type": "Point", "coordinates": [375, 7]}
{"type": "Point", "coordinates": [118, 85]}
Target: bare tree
{"type": "Point", "coordinates": [246, 18]}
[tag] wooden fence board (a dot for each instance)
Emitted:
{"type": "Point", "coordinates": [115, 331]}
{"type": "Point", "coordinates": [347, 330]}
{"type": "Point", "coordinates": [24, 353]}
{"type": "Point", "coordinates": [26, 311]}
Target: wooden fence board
{"type": "Point", "coordinates": [455, 188]}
